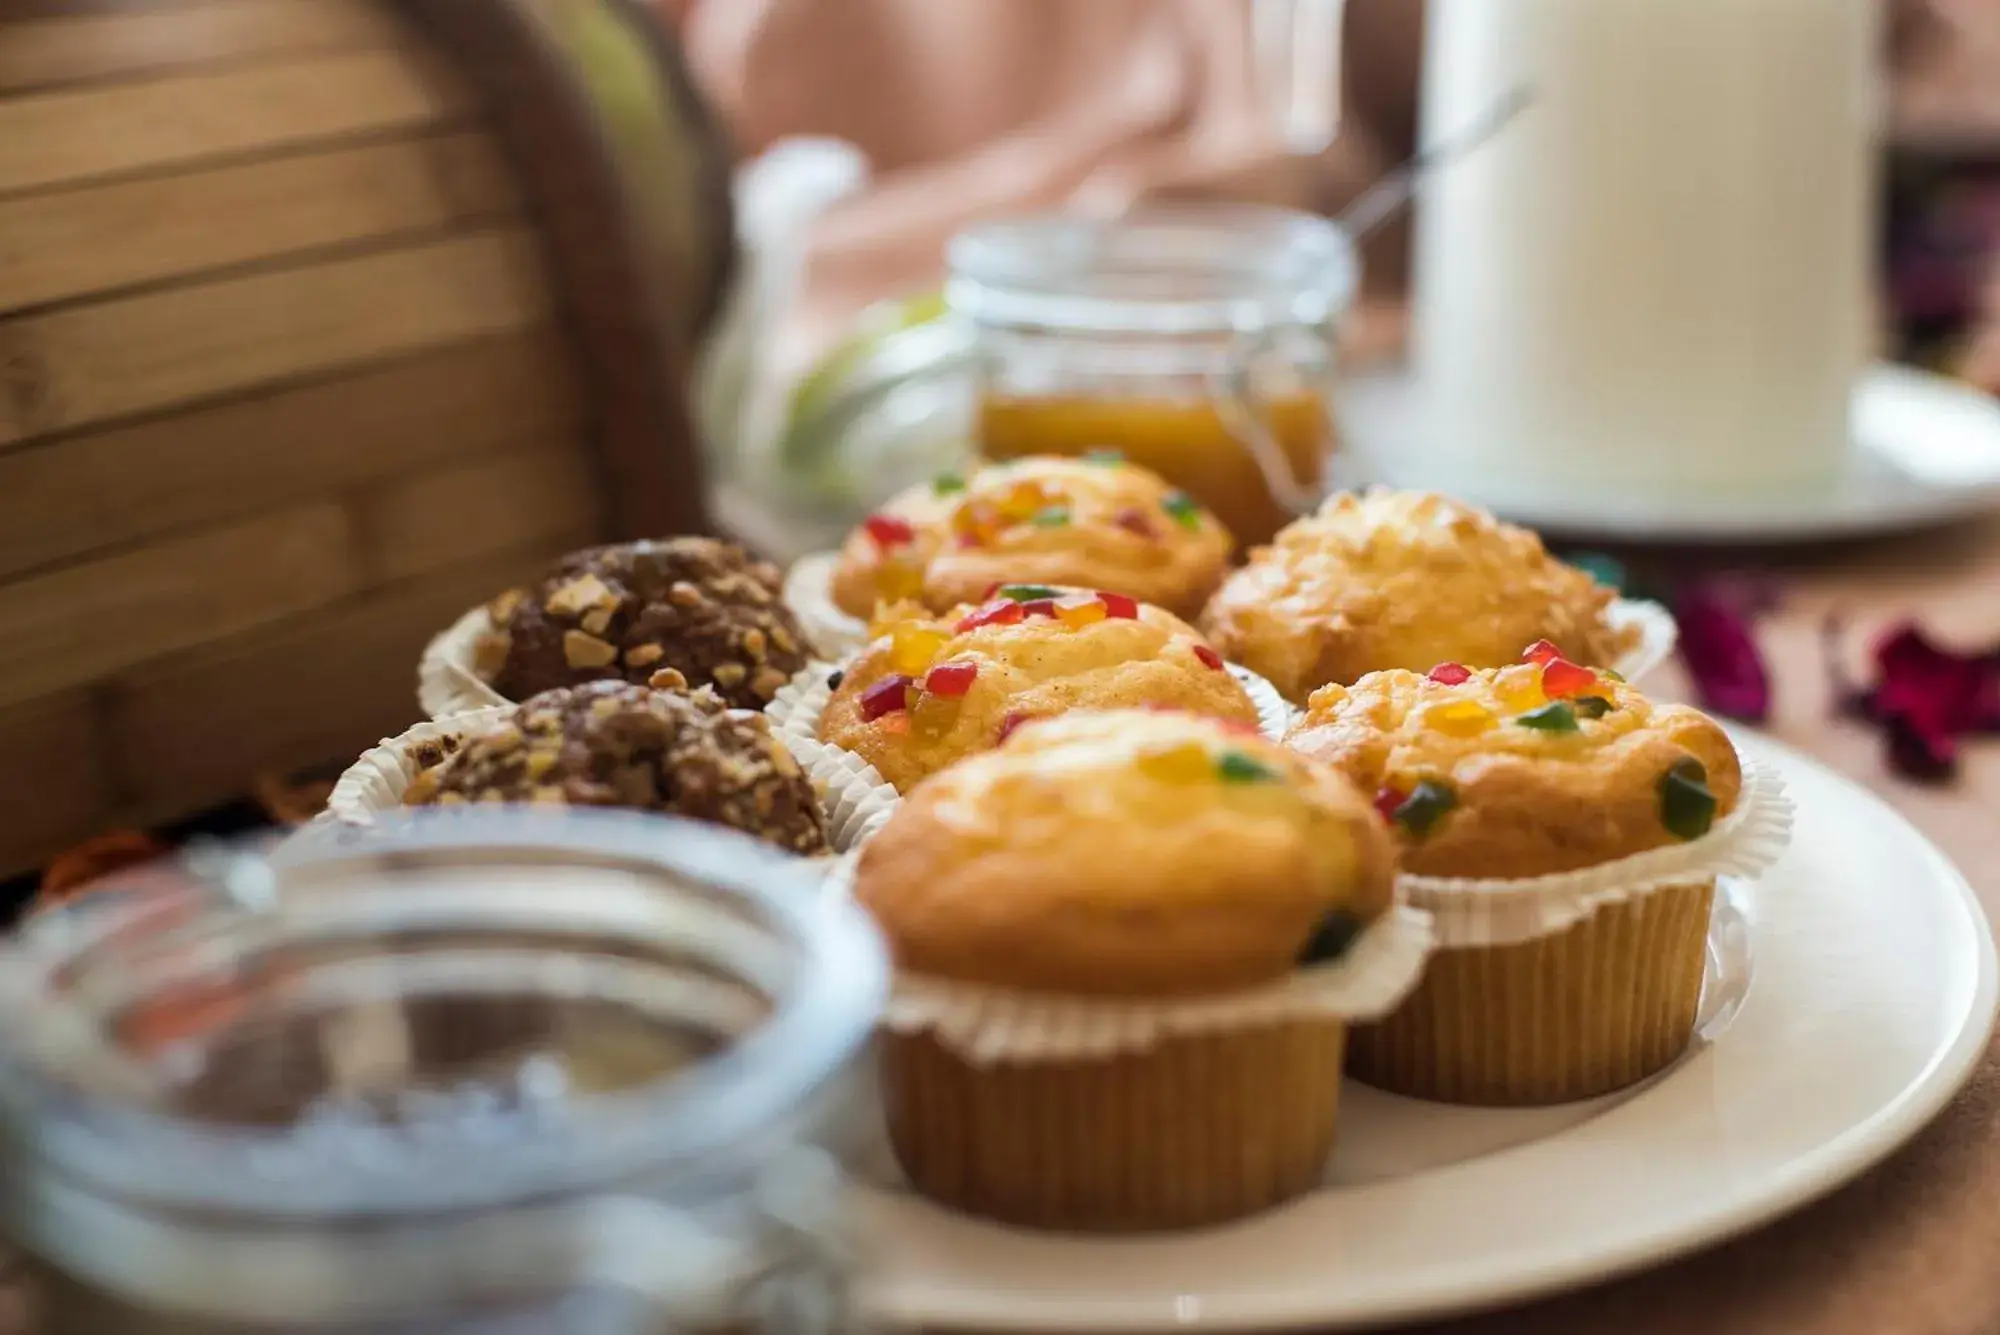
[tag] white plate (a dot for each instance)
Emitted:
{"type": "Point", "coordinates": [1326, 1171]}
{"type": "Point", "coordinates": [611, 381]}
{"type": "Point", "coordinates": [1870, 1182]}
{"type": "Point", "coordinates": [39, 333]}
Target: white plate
{"type": "Point", "coordinates": [1870, 996]}
{"type": "Point", "coordinates": [1926, 451]}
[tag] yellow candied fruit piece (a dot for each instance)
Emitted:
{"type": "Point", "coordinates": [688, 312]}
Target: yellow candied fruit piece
{"type": "Point", "coordinates": [1020, 502]}
{"type": "Point", "coordinates": [898, 580]}
{"type": "Point", "coordinates": [1082, 614]}
{"type": "Point", "coordinates": [913, 648]}
{"type": "Point", "coordinates": [1459, 718]}
{"type": "Point", "coordinates": [932, 716]}
{"type": "Point", "coordinates": [1521, 695]}
{"type": "Point", "coordinates": [1188, 762]}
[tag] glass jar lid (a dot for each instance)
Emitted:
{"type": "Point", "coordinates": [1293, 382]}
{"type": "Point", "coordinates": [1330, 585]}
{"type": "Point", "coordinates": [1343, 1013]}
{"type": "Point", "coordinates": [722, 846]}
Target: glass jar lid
{"type": "Point", "coordinates": [1168, 271]}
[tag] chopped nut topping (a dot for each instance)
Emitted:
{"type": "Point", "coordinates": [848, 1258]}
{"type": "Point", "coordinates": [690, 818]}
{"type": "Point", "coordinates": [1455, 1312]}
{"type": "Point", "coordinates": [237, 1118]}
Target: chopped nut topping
{"type": "Point", "coordinates": [587, 651]}
{"type": "Point", "coordinates": [668, 679]}
{"type": "Point", "coordinates": [597, 620]}
{"type": "Point", "coordinates": [755, 644]}
{"type": "Point", "coordinates": [783, 639]}
{"type": "Point", "coordinates": [540, 761]}
{"type": "Point", "coordinates": [585, 593]}
{"type": "Point", "coordinates": [768, 682]}
{"type": "Point", "coordinates": [501, 609]}
{"type": "Point", "coordinates": [684, 594]}
{"type": "Point", "coordinates": [645, 655]}
{"type": "Point", "coordinates": [730, 674]}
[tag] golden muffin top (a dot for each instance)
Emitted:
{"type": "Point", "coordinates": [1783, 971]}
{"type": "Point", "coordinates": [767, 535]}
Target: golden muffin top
{"type": "Point", "coordinates": [1540, 767]}
{"type": "Point", "coordinates": [1098, 522]}
{"type": "Point", "coordinates": [1398, 579]}
{"type": "Point", "coordinates": [1127, 853]}
{"type": "Point", "coordinates": [929, 691]}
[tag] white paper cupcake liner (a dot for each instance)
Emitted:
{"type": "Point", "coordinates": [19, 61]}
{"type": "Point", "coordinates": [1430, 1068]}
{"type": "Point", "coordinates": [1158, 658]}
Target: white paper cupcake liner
{"type": "Point", "coordinates": [1474, 912]}
{"type": "Point", "coordinates": [809, 593]}
{"type": "Point", "coordinates": [376, 782]}
{"type": "Point", "coordinates": [1658, 634]}
{"type": "Point", "coordinates": [990, 1024]}
{"type": "Point", "coordinates": [446, 683]}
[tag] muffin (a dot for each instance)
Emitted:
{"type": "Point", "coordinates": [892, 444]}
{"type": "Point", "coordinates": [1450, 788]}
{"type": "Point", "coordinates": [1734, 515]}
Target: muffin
{"type": "Point", "coordinates": [1397, 579]}
{"type": "Point", "coordinates": [613, 744]}
{"type": "Point", "coordinates": [1097, 522]}
{"type": "Point", "coordinates": [1135, 860]}
{"type": "Point", "coordinates": [1530, 770]}
{"type": "Point", "coordinates": [702, 607]}
{"type": "Point", "coordinates": [931, 691]}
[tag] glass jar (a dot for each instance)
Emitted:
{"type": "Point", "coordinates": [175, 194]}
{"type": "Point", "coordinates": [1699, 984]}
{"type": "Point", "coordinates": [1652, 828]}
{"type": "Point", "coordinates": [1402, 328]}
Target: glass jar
{"type": "Point", "coordinates": [465, 1074]}
{"type": "Point", "coordinates": [1199, 342]}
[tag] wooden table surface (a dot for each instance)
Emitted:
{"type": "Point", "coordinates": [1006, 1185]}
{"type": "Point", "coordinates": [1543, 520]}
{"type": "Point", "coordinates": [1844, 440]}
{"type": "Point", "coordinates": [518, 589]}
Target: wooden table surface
{"type": "Point", "coordinates": [1913, 1246]}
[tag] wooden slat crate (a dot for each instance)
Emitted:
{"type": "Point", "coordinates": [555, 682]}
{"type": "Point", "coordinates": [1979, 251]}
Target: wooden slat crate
{"type": "Point", "coordinates": [320, 320]}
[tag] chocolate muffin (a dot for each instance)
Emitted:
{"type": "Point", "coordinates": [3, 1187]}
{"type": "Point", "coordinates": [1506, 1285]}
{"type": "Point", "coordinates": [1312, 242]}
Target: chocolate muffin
{"type": "Point", "coordinates": [613, 744]}
{"type": "Point", "coordinates": [698, 605]}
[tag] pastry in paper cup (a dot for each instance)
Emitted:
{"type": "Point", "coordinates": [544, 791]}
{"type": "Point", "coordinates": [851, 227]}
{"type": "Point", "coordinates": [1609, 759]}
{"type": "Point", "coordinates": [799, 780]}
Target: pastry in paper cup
{"type": "Point", "coordinates": [928, 691]}
{"type": "Point", "coordinates": [698, 606]}
{"type": "Point", "coordinates": [1566, 834]}
{"type": "Point", "coordinates": [613, 744]}
{"type": "Point", "coordinates": [1395, 579]}
{"type": "Point", "coordinates": [1129, 946]}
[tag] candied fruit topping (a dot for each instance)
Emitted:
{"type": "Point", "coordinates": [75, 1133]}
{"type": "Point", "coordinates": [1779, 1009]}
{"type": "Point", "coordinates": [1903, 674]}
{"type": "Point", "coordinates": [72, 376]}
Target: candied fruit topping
{"type": "Point", "coordinates": [1051, 516]}
{"type": "Point", "coordinates": [1242, 767]}
{"type": "Point", "coordinates": [1388, 800]}
{"type": "Point", "coordinates": [1425, 806]}
{"type": "Point", "coordinates": [1562, 679]}
{"type": "Point", "coordinates": [1332, 938]}
{"type": "Point", "coordinates": [1591, 706]}
{"type": "Point", "coordinates": [888, 531]}
{"type": "Point", "coordinates": [1027, 593]}
{"type": "Point", "coordinates": [1135, 521]}
{"type": "Point", "coordinates": [1011, 722]}
{"type": "Point", "coordinates": [912, 648]}
{"type": "Point", "coordinates": [1039, 607]}
{"type": "Point", "coordinates": [1077, 615]}
{"type": "Point", "coordinates": [1541, 651]}
{"type": "Point", "coordinates": [888, 696]}
{"type": "Point", "coordinates": [897, 580]}
{"type": "Point", "coordinates": [951, 679]}
{"type": "Point", "coordinates": [948, 484]}
{"type": "Point", "coordinates": [834, 678]}
{"type": "Point", "coordinates": [999, 612]}
{"type": "Point", "coordinates": [975, 523]}
{"type": "Point", "coordinates": [1209, 657]}
{"type": "Point", "coordinates": [1450, 674]}
{"type": "Point", "coordinates": [1118, 607]}
{"type": "Point", "coordinates": [1184, 762]}
{"type": "Point", "coordinates": [1555, 717]}
{"type": "Point", "coordinates": [1459, 718]}
{"type": "Point", "coordinates": [897, 723]}
{"type": "Point", "coordinates": [1687, 805]}
{"type": "Point", "coordinates": [932, 716]}
{"type": "Point", "coordinates": [1104, 458]}
{"type": "Point", "coordinates": [1520, 695]}
{"type": "Point", "coordinates": [1022, 500]}
{"type": "Point", "coordinates": [1184, 509]}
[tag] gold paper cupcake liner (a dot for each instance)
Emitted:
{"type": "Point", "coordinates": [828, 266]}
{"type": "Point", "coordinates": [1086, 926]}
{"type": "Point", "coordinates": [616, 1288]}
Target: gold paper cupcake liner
{"type": "Point", "coordinates": [1198, 1129]}
{"type": "Point", "coordinates": [1591, 1009]}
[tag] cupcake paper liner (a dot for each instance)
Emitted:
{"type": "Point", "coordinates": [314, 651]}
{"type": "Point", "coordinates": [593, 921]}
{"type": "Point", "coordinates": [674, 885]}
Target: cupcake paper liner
{"type": "Point", "coordinates": [375, 783]}
{"type": "Point", "coordinates": [446, 683]}
{"type": "Point", "coordinates": [1494, 912]}
{"type": "Point", "coordinates": [1658, 634]}
{"type": "Point", "coordinates": [808, 592]}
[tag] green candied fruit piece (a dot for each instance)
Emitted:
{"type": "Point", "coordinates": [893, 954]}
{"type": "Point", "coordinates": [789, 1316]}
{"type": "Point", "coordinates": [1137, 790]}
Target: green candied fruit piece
{"type": "Point", "coordinates": [1426, 805]}
{"type": "Point", "coordinates": [1027, 593]}
{"type": "Point", "coordinates": [1557, 717]}
{"type": "Point", "coordinates": [1687, 806]}
{"type": "Point", "coordinates": [1241, 767]}
{"type": "Point", "coordinates": [1613, 674]}
{"type": "Point", "coordinates": [947, 484]}
{"type": "Point", "coordinates": [1104, 458]}
{"type": "Point", "coordinates": [1051, 516]}
{"type": "Point", "coordinates": [1606, 570]}
{"type": "Point", "coordinates": [1592, 706]}
{"type": "Point", "coordinates": [1333, 937]}
{"type": "Point", "coordinates": [1185, 510]}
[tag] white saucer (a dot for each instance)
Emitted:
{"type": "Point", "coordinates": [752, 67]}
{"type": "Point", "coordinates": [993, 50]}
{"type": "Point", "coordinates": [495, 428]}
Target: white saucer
{"type": "Point", "coordinates": [1870, 997]}
{"type": "Point", "coordinates": [1926, 451]}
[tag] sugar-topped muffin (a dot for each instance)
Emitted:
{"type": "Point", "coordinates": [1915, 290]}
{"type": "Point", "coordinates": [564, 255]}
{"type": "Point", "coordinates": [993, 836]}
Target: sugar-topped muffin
{"type": "Point", "coordinates": [1397, 579]}
{"type": "Point", "coordinates": [1526, 771]}
{"type": "Point", "coordinates": [613, 744]}
{"type": "Point", "coordinates": [1132, 857]}
{"type": "Point", "coordinates": [930, 691]}
{"type": "Point", "coordinates": [700, 606]}
{"type": "Point", "coordinates": [1098, 522]}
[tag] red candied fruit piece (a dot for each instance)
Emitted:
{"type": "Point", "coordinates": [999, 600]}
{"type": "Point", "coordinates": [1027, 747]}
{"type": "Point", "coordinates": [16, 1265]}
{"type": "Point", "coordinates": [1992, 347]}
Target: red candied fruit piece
{"type": "Point", "coordinates": [954, 678]}
{"type": "Point", "coordinates": [1208, 656]}
{"type": "Point", "coordinates": [889, 531]}
{"type": "Point", "coordinates": [1541, 651]}
{"type": "Point", "coordinates": [1011, 722]}
{"type": "Point", "coordinates": [886, 696]}
{"type": "Point", "coordinates": [1118, 607]}
{"type": "Point", "coordinates": [1135, 521]}
{"type": "Point", "coordinates": [1039, 607]}
{"type": "Point", "coordinates": [999, 612]}
{"type": "Point", "coordinates": [1450, 674]}
{"type": "Point", "coordinates": [1564, 680]}
{"type": "Point", "coordinates": [1387, 801]}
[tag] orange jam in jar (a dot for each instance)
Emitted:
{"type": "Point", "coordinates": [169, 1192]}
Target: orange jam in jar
{"type": "Point", "coordinates": [1196, 342]}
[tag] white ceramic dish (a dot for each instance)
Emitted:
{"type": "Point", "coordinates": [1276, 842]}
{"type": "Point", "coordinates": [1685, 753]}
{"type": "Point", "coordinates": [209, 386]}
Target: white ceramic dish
{"type": "Point", "coordinates": [1926, 451]}
{"type": "Point", "coordinates": [1852, 990]}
